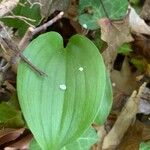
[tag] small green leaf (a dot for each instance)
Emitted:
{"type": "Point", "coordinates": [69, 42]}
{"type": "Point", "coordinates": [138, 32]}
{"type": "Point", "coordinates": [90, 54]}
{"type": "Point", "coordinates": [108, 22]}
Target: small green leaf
{"type": "Point", "coordinates": [10, 117]}
{"type": "Point", "coordinates": [145, 145]}
{"type": "Point", "coordinates": [139, 63]}
{"type": "Point", "coordinates": [125, 49]}
{"type": "Point", "coordinates": [106, 103]}
{"type": "Point", "coordinates": [60, 107]}
{"type": "Point", "coordinates": [91, 11]}
{"type": "Point", "coordinates": [84, 142]}
{"type": "Point", "coordinates": [24, 10]}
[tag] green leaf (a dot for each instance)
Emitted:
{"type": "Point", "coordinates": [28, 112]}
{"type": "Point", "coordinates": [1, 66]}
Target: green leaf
{"type": "Point", "coordinates": [145, 145]}
{"type": "Point", "coordinates": [84, 142]}
{"type": "Point", "coordinates": [10, 117]}
{"type": "Point", "coordinates": [125, 49]}
{"type": "Point", "coordinates": [91, 11]}
{"type": "Point", "coordinates": [25, 10]}
{"type": "Point", "coordinates": [60, 107]}
{"type": "Point", "coordinates": [106, 103]}
{"type": "Point", "coordinates": [135, 2]}
{"type": "Point", "coordinates": [13, 101]}
{"type": "Point", "coordinates": [139, 63]}
{"type": "Point", "coordinates": [34, 145]}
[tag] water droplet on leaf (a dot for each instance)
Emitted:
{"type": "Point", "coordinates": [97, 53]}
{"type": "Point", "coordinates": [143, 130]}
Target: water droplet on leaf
{"type": "Point", "coordinates": [81, 69]}
{"type": "Point", "coordinates": [84, 26]}
{"type": "Point", "coordinates": [62, 86]}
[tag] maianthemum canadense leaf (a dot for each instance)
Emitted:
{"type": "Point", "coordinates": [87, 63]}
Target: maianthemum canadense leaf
{"type": "Point", "coordinates": [144, 145]}
{"type": "Point", "coordinates": [59, 107]}
{"type": "Point", "coordinates": [84, 142]}
{"type": "Point", "coordinates": [106, 103]}
{"type": "Point", "coordinates": [90, 11]}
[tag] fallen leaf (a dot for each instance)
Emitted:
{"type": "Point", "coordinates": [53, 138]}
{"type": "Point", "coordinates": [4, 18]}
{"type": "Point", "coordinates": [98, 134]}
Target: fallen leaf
{"type": "Point", "coordinates": [132, 138]}
{"type": "Point", "coordinates": [146, 133]}
{"type": "Point", "coordinates": [145, 13]}
{"type": "Point", "coordinates": [115, 33]}
{"type": "Point", "coordinates": [137, 24]}
{"type": "Point", "coordinates": [22, 144]}
{"type": "Point", "coordinates": [124, 120]}
{"type": "Point", "coordinates": [7, 6]}
{"type": "Point", "coordinates": [124, 79]}
{"type": "Point", "coordinates": [9, 134]}
{"type": "Point", "coordinates": [50, 6]}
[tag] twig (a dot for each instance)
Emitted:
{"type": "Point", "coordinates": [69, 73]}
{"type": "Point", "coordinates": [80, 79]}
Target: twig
{"type": "Point", "coordinates": [24, 42]}
{"type": "Point", "coordinates": [6, 6]}
{"type": "Point", "coordinates": [22, 18]}
{"type": "Point", "coordinates": [11, 45]}
{"type": "Point", "coordinates": [33, 31]}
{"type": "Point", "coordinates": [124, 120]}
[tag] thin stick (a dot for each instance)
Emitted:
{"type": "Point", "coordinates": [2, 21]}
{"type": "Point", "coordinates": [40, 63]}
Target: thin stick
{"type": "Point", "coordinates": [124, 120]}
{"type": "Point", "coordinates": [11, 45]}
{"type": "Point", "coordinates": [33, 31]}
{"type": "Point", "coordinates": [7, 6]}
{"type": "Point", "coordinates": [24, 42]}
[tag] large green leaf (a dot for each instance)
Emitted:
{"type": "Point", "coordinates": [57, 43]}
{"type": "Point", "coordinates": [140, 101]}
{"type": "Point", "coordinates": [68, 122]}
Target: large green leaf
{"type": "Point", "coordinates": [34, 145]}
{"type": "Point", "coordinates": [82, 143]}
{"type": "Point", "coordinates": [10, 117]}
{"type": "Point", "coordinates": [90, 11]}
{"type": "Point", "coordinates": [145, 145]}
{"type": "Point", "coordinates": [106, 103]}
{"type": "Point", "coordinates": [60, 107]}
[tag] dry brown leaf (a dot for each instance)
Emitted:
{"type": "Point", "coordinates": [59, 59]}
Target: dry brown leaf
{"type": "Point", "coordinates": [22, 144]}
{"type": "Point", "coordinates": [7, 134]}
{"type": "Point", "coordinates": [146, 133]}
{"type": "Point", "coordinates": [137, 24]}
{"type": "Point", "coordinates": [145, 13]}
{"type": "Point", "coordinates": [50, 6]}
{"type": "Point", "coordinates": [115, 33]}
{"type": "Point", "coordinates": [124, 80]}
{"type": "Point", "coordinates": [132, 138]}
{"type": "Point", "coordinates": [7, 6]}
{"type": "Point", "coordinates": [141, 46]}
{"type": "Point", "coordinates": [135, 134]}
{"type": "Point", "coordinates": [124, 120]}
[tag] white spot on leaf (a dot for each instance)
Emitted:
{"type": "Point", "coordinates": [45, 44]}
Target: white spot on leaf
{"type": "Point", "coordinates": [62, 86]}
{"type": "Point", "coordinates": [81, 69]}
{"type": "Point", "coordinates": [84, 26]}
{"type": "Point", "coordinates": [113, 84]}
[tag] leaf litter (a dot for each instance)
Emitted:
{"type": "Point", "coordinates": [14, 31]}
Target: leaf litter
{"type": "Point", "coordinates": [125, 128]}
